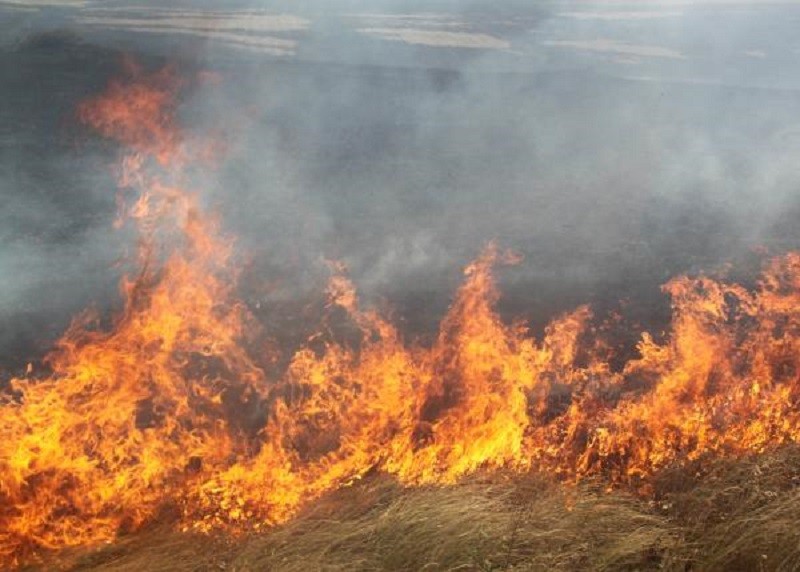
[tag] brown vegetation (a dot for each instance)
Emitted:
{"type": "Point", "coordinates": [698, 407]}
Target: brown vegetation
{"type": "Point", "coordinates": [734, 515]}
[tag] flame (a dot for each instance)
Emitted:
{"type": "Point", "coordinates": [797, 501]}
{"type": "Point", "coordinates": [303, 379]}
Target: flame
{"type": "Point", "coordinates": [171, 405]}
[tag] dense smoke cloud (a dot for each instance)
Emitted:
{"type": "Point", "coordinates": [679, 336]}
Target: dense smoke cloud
{"type": "Point", "coordinates": [613, 147]}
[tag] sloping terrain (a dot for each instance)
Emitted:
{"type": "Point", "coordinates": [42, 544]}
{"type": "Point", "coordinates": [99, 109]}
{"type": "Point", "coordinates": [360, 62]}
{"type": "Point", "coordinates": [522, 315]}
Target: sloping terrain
{"type": "Point", "coordinates": [735, 515]}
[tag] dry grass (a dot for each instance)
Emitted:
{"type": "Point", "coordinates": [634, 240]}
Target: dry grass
{"type": "Point", "coordinates": [742, 515]}
{"type": "Point", "coordinates": [522, 524]}
{"type": "Point", "coordinates": [739, 515]}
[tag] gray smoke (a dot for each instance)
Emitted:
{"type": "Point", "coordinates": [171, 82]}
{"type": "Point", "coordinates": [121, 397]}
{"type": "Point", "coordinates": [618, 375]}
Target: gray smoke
{"type": "Point", "coordinates": [614, 146]}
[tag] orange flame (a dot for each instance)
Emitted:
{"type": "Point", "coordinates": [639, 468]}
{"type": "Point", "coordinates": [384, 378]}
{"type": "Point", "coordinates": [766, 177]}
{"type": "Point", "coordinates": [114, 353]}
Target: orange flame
{"type": "Point", "coordinates": [169, 406]}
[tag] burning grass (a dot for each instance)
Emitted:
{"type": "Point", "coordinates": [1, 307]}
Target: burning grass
{"type": "Point", "coordinates": [735, 515]}
{"type": "Point", "coordinates": [172, 406]}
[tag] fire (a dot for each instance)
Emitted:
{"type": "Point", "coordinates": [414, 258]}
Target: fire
{"type": "Point", "coordinates": [171, 405]}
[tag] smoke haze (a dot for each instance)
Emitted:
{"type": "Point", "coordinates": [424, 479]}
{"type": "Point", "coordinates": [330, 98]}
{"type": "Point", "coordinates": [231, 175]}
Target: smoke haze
{"type": "Point", "coordinates": [612, 145]}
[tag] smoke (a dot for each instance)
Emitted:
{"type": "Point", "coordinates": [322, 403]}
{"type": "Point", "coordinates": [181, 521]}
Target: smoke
{"type": "Point", "coordinates": [612, 148]}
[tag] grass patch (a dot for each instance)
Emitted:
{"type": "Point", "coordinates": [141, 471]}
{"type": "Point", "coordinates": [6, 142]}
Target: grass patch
{"type": "Point", "coordinates": [731, 515]}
